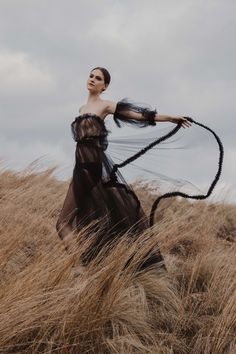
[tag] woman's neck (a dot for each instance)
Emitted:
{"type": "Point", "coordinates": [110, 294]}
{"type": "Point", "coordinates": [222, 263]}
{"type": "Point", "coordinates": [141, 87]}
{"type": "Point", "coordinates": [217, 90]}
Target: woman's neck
{"type": "Point", "coordinates": [93, 98]}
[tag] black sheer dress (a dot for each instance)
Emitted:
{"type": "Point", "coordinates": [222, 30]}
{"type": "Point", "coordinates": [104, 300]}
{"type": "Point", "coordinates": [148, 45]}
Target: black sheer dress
{"type": "Point", "coordinates": [95, 194]}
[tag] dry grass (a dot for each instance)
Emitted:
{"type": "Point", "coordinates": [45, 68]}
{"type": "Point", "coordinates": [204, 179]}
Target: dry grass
{"type": "Point", "coordinates": [47, 306]}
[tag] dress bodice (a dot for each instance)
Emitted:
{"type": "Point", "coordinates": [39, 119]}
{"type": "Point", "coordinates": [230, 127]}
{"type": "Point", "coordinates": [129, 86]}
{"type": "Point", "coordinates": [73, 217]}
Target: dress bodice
{"type": "Point", "coordinates": [89, 126]}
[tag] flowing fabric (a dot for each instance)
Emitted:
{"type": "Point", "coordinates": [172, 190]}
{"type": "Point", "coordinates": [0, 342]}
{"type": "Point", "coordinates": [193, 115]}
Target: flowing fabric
{"type": "Point", "coordinates": [98, 191]}
{"type": "Point", "coordinates": [93, 194]}
{"type": "Point", "coordinates": [134, 114]}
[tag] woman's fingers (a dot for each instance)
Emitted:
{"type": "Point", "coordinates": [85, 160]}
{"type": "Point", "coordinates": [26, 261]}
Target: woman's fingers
{"type": "Point", "coordinates": [185, 123]}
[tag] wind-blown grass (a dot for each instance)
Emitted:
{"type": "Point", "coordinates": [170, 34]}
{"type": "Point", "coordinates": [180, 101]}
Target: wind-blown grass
{"type": "Point", "coordinates": [49, 304]}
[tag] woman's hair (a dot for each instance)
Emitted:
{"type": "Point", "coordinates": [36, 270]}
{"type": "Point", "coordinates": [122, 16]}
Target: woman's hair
{"type": "Point", "coordinates": [107, 76]}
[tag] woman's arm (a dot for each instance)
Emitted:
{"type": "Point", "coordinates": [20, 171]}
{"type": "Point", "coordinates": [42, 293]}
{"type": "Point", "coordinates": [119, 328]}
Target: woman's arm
{"type": "Point", "coordinates": [164, 118]}
{"type": "Point", "coordinates": [111, 108]}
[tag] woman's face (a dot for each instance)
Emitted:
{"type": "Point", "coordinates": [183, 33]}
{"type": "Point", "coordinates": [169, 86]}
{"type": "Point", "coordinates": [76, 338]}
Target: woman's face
{"type": "Point", "coordinates": [95, 82]}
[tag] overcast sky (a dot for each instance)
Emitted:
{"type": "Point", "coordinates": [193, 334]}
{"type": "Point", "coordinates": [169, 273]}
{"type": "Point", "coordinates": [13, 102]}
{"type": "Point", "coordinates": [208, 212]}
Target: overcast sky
{"type": "Point", "coordinates": [177, 56]}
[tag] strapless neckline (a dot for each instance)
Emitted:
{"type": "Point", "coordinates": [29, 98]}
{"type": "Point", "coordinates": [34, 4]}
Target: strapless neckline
{"type": "Point", "coordinates": [91, 115]}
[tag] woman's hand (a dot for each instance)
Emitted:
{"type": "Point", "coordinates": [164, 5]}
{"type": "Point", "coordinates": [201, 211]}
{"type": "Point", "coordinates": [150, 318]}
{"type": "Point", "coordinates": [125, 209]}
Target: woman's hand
{"type": "Point", "coordinates": [183, 121]}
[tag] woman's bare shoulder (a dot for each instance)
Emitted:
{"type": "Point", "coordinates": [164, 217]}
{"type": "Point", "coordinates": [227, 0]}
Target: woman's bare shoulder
{"type": "Point", "coordinates": [110, 106]}
{"type": "Point", "coordinates": [81, 108]}
{"type": "Point", "coordinates": [104, 107]}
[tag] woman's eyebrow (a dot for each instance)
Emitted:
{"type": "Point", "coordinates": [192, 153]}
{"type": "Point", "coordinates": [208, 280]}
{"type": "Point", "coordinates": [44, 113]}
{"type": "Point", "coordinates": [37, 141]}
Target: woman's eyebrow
{"type": "Point", "coordinates": [97, 76]}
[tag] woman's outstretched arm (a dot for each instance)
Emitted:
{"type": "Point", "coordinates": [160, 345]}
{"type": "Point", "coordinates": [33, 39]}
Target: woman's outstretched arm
{"type": "Point", "coordinates": [164, 118]}
{"type": "Point", "coordinates": [137, 113]}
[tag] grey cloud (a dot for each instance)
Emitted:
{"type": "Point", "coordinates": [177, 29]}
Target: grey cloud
{"type": "Point", "coordinates": [178, 57]}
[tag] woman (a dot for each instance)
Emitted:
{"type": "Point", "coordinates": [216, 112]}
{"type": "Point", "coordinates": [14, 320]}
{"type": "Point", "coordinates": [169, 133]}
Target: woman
{"type": "Point", "coordinates": [95, 194]}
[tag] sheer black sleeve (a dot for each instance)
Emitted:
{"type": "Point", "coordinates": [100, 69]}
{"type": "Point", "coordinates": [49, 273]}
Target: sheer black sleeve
{"type": "Point", "coordinates": [136, 114]}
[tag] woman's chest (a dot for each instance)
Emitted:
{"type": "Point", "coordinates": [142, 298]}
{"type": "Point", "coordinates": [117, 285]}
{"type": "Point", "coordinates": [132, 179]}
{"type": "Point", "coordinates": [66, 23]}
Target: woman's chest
{"type": "Point", "coordinates": [98, 109]}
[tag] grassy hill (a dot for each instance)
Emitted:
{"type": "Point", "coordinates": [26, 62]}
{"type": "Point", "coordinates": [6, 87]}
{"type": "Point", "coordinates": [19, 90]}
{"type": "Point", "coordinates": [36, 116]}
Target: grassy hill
{"type": "Point", "coordinates": [47, 306]}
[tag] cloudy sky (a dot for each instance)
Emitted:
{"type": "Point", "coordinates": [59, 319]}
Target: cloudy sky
{"type": "Point", "coordinates": [177, 56]}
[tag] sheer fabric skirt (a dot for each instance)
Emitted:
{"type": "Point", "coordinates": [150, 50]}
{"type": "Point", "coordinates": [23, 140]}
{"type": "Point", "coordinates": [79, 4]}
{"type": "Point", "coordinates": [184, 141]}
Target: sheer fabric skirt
{"type": "Point", "coordinates": [93, 195]}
